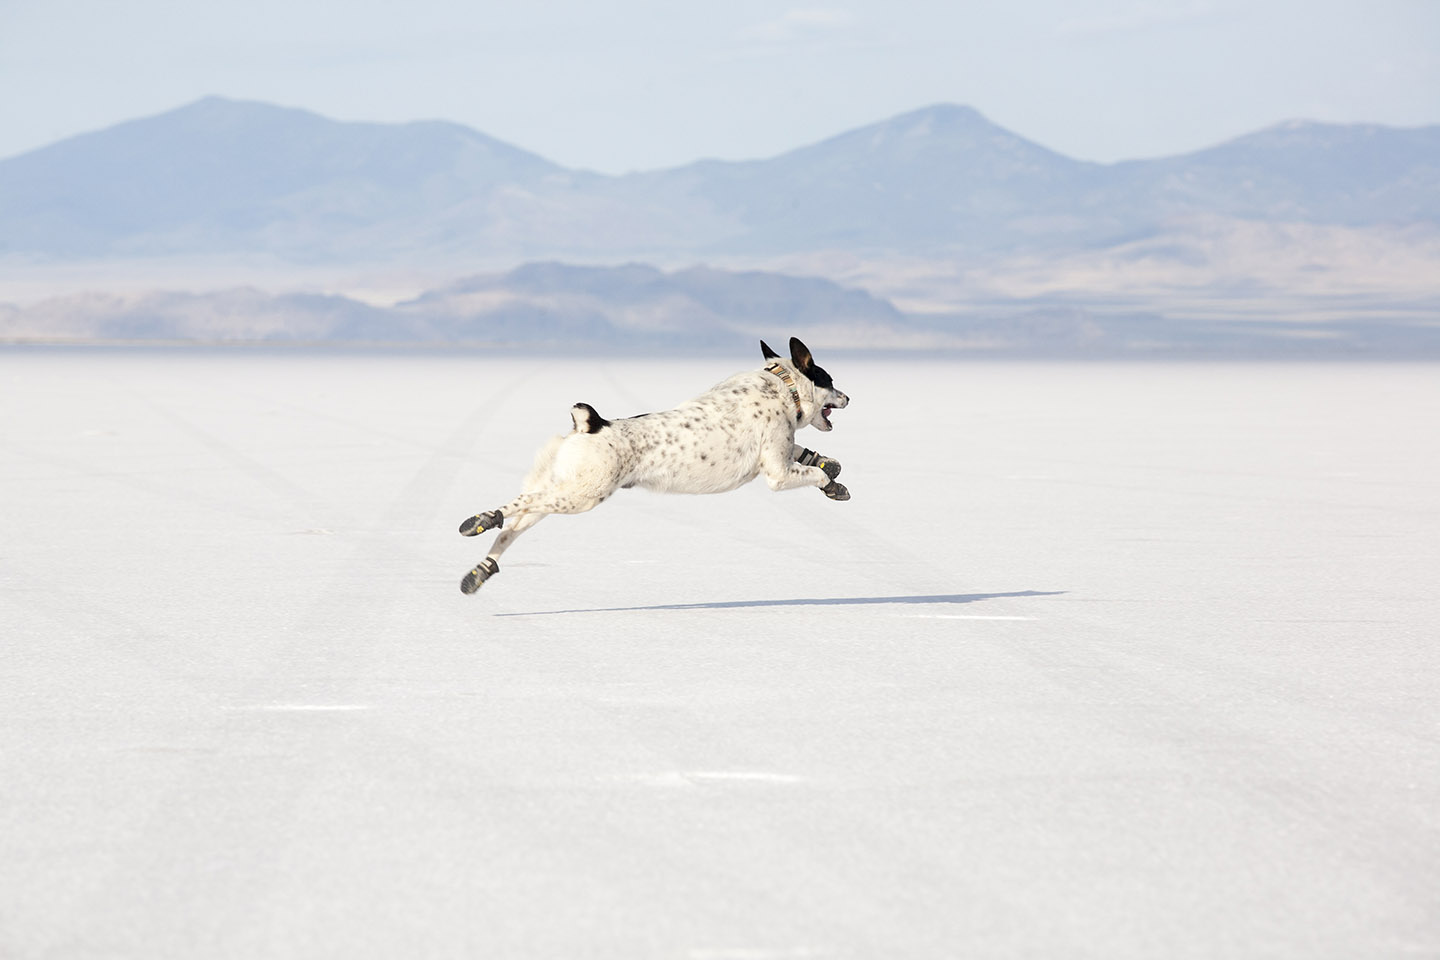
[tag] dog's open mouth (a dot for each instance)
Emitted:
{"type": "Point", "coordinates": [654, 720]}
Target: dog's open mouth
{"type": "Point", "coordinates": [825, 412]}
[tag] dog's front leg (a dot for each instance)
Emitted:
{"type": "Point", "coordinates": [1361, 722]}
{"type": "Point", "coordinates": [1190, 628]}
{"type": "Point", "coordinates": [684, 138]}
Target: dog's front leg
{"type": "Point", "coordinates": [810, 458]}
{"type": "Point", "coordinates": [782, 474]}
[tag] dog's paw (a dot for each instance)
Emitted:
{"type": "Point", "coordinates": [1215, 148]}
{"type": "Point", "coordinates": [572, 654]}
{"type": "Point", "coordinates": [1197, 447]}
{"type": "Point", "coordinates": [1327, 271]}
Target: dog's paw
{"type": "Point", "coordinates": [483, 571]}
{"type": "Point", "coordinates": [478, 524]}
{"type": "Point", "coordinates": [830, 465]}
{"type": "Point", "coordinates": [835, 491]}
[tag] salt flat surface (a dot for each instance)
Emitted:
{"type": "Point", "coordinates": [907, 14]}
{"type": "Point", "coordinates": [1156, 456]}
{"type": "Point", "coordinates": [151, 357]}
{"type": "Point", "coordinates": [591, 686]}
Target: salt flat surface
{"type": "Point", "coordinates": [1100, 661]}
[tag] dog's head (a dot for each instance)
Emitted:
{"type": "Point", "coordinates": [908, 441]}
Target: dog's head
{"type": "Point", "coordinates": [824, 397]}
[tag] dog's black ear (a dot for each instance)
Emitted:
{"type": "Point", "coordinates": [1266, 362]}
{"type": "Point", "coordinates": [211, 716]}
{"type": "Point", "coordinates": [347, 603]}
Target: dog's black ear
{"type": "Point", "coordinates": [767, 353]}
{"type": "Point", "coordinates": [800, 354]}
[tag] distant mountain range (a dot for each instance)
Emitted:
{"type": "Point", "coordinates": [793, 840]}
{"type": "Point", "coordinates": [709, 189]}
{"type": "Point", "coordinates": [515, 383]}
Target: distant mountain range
{"type": "Point", "coordinates": [935, 230]}
{"type": "Point", "coordinates": [554, 306]}
{"type": "Point", "coordinates": [537, 304]}
{"type": "Point", "coordinates": [224, 177]}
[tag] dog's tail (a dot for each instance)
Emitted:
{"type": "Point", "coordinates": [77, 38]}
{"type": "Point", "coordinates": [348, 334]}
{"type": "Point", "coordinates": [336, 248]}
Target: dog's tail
{"type": "Point", "coordinates": [586, 419]}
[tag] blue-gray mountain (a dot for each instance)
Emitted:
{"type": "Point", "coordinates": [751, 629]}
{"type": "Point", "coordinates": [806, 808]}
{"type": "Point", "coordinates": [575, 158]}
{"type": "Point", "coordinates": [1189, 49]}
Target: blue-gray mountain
{"type": "Point", "coordinates": [221, 176]}
{"type": "Point", "coordinates": [589, 307]}
{"type": "Point", "coordinates": [554, 306]}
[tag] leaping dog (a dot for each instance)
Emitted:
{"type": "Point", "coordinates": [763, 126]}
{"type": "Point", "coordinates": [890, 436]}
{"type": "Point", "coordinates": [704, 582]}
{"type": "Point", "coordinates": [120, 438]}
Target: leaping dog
{"type": "Point", "coordinates": [721, 440]}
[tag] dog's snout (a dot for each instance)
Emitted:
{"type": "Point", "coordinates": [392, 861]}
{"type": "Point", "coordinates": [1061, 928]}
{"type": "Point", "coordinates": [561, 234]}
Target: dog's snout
{"type": "Point", "coordinates": [841, 400]}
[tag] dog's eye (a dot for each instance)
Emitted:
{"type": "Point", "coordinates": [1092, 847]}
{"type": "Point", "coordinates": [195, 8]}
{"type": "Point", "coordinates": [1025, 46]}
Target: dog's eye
{"type": "Point", "coordinates": [820, 378]}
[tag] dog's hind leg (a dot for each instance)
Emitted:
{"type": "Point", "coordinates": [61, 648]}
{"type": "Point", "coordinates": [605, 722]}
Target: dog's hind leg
{"type": "Point", "coordinates": [525, 510]}
{"type": "Point", "coordinates": [478, 524]}
{"type": "Point", "coordinates": [478, 574]}
{"type": "Point", "coordinates": [510, 534]}
{"type": "Point", "coordinates": [538, 479]}
{"type": "Point", "coordinates": [572, 474]}
{"type": "Point", "coordinates": [490, 566]}
{"type": "Point", "coordinates": [557, 498]}
{"type": "Point", "coordinates": [537, 503]}
{"type": "Point", "coordinates": [555, 485]}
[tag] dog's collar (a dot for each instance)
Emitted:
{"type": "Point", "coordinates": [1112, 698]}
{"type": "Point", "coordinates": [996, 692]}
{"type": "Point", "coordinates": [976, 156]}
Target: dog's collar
{"type": "Point", "coordinates": [784, 374]}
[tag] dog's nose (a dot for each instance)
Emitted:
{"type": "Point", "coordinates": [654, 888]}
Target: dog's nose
{"type": "Point", "coordinates": [841, 400]}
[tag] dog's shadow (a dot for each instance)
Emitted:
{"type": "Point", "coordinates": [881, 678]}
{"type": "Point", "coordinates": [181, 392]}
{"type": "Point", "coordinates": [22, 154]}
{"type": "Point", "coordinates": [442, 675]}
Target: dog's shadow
{"type": "Point", "coordinates": [800, 602]}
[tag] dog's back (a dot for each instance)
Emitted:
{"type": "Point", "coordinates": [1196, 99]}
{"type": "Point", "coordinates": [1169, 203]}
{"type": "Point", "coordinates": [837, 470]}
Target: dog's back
{"type": "Point", "coordinates": [710, 444]}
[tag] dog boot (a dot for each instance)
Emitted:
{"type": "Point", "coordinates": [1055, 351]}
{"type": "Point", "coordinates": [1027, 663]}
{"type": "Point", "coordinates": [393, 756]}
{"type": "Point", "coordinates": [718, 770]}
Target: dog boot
{"type": "Point", "coordinates": [835, 490]}
{"type": "Point", "coordinates": [481, 522]}
{"type": "Point", "coordinates": [810, 458]}
{"type": "Point", "coordinates": [483, 571]}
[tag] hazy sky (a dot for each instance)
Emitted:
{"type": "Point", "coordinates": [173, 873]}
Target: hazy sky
{"type": "Point", "coordinates": [640, 84]}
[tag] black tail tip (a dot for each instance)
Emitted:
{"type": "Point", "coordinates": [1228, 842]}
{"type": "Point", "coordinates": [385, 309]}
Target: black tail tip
{"type": "Point", "coordinates": [587, 419]}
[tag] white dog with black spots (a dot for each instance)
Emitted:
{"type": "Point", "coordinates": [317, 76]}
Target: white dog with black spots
{"type": "Point", "coordinates": [735, 431]}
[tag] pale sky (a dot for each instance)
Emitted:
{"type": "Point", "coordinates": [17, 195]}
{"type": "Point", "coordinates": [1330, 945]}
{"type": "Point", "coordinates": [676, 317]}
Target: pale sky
{"type": "Point", "coordinates": [643, 84]}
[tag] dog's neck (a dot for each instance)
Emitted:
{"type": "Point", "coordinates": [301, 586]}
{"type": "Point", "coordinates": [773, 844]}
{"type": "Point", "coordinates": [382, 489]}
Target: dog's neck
{"type": "Point", "coordinates": [784, 374]}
